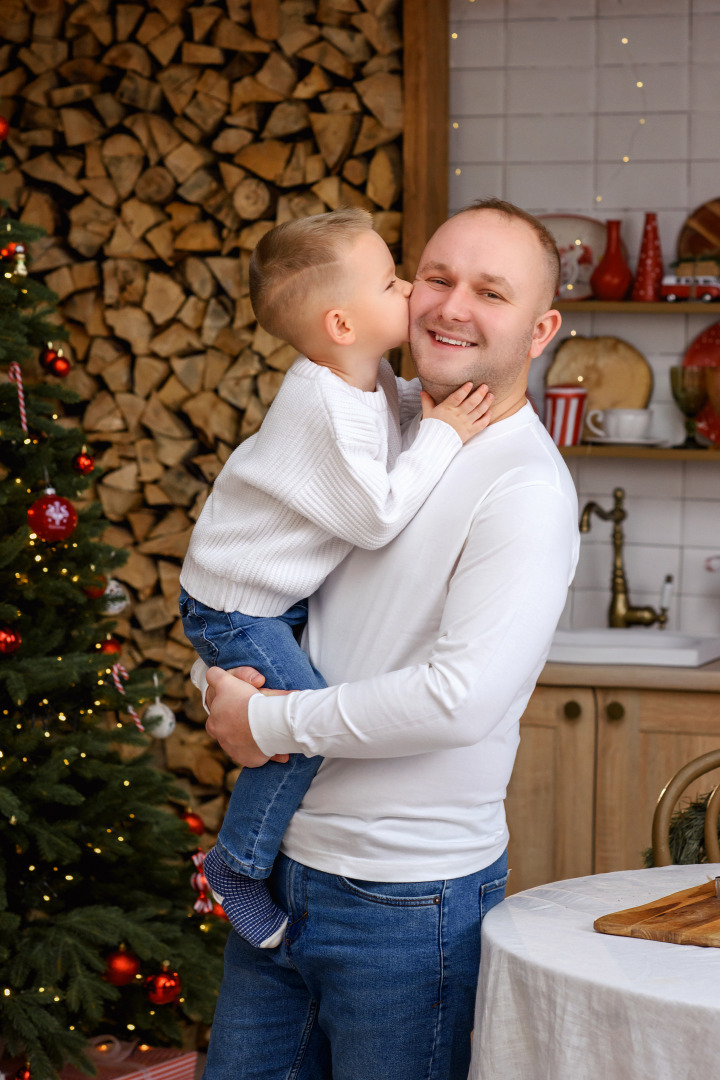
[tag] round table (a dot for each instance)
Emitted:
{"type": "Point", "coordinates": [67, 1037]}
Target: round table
{"type": "Point", "coordinates": [559, 1001]}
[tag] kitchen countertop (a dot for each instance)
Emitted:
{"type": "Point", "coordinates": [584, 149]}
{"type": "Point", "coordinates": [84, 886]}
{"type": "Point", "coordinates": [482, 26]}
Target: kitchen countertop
{"type": "Point", "coordinates": [636, 677]}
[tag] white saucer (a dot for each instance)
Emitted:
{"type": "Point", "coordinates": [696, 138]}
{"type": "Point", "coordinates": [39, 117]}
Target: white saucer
{"type": "Point", "coordinates": [647, 440]}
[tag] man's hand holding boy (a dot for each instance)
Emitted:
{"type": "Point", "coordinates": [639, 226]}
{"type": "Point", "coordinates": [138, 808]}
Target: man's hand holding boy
{"type": "Point", "coordinates": [228, 696]}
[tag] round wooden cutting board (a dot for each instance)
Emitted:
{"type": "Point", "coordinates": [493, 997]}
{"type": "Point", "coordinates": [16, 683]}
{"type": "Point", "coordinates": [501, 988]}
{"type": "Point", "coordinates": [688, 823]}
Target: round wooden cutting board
{"type": "Point", "coordinates": [705, 352]}
{"type": "Point", "coordinates": [615, 374]}
{"type": "Point", "coordinates": [700, 235]}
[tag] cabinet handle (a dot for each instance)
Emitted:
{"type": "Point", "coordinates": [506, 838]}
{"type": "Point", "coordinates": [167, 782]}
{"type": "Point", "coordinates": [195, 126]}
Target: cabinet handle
{"type": "Point", "coordinates": [572, 710]}
{"type": "Point", "coordinates": [615, 711]}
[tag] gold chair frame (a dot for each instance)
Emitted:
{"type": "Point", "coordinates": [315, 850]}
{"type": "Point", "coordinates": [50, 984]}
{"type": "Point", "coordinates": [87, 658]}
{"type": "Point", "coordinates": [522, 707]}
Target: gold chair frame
{"type": "Point", "coordinates": [666, 804]}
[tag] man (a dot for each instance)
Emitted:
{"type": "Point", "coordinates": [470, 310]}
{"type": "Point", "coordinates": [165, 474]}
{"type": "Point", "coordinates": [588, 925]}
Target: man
{"type": "Point", "coordinates": [431, 648]}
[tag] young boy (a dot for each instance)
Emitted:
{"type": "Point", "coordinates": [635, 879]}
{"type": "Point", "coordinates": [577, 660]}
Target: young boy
{"type": "Point", "coordinates": [327, 471]}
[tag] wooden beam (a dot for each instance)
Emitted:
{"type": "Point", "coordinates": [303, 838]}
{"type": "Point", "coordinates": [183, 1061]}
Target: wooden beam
{"type": "Point", "coordinates": [425, 135]}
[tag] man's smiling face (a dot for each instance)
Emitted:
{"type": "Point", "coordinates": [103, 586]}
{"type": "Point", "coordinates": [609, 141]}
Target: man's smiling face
{"type": "Point", "coordinates": [481, 289]}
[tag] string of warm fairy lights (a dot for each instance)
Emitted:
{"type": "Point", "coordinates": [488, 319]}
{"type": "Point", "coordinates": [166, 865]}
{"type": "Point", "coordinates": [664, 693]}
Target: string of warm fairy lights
{"type": "Point", "coordinates": [639, 85]}
{"type": "Point", "coordinates": [625, 158]}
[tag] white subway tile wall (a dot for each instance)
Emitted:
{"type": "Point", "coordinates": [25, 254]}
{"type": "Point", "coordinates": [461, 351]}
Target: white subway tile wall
{"type": "Point", "coordinates": [545, 104]}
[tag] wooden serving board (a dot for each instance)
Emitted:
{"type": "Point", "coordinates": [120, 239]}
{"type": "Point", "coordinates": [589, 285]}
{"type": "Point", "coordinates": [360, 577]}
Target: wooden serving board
{"type": "Point", "coordinates": [690, 917]}
{"type": "Point", "coordinates": [615, 374]}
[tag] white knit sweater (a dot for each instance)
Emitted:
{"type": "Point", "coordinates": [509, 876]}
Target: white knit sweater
{"type": "Point", "coordinates": [326, 472]}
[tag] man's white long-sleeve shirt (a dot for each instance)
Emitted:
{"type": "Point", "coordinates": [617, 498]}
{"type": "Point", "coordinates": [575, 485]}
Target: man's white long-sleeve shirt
{"type": "Point", "coordinates": [431, 647]}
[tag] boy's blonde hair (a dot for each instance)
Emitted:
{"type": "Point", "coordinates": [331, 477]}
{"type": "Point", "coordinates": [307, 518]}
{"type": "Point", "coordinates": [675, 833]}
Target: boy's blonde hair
{"type": "Point", "coordinates": [296, 259]}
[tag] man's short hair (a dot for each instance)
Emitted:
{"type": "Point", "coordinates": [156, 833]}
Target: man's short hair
{"type": "Point", "coordinates": [297, 258]}
{"type": "Point", "coordinates": [547, 241]}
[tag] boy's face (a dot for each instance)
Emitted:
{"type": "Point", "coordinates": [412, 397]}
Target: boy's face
{"type": "Point", "coordinates": [377, 301]}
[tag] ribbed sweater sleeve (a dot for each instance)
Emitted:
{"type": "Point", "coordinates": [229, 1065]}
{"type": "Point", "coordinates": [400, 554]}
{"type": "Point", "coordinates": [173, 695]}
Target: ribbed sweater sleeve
{"type": "Point", "coordinates": [325, 472]}
{"type": "Point", "coordinates": [353, 496]}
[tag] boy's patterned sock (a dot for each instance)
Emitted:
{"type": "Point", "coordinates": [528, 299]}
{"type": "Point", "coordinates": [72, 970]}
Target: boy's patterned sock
{"type": "Point", "coordinates": [246, 902]}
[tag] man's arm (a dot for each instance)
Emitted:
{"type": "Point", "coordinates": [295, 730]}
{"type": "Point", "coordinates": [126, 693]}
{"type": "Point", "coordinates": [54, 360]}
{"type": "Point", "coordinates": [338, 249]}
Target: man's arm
{"type": "Point", "coordinates": [503, 604]}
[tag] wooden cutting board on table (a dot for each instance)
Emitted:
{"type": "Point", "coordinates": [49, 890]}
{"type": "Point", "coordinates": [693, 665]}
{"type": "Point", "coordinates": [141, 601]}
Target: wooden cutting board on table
{"type": "Point", "coordinates": [690, 917]}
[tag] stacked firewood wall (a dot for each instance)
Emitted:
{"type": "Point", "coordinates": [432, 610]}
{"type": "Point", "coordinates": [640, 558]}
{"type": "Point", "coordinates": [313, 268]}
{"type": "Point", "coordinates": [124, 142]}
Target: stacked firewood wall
{"type": "Point", "coordinates": [156, 142]}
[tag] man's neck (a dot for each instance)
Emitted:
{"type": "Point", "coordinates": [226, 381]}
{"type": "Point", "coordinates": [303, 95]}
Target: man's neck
{"type": "Point", "coordinates": [501, 410]}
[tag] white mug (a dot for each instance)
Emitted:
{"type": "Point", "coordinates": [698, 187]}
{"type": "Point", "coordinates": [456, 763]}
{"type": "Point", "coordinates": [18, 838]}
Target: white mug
{"type": "Point", "coordinates": [619, 423]}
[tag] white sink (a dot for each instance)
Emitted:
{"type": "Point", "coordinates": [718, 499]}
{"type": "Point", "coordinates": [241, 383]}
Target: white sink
{"type": "Point", "coordinates": [635, 645]}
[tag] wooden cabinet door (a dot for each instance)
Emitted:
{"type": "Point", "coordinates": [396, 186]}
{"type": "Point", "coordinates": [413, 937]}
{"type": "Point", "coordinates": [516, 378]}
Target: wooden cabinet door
{"type": "Point", "coordinates": [550, 798]}
{"type": "Point", "coordinates": [644, 737]}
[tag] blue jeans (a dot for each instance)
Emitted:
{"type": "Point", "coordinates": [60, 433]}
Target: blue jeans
{"type": "Point", "coordinates": [263, 800]}
{"type": "Point", "coordinates": [373, 981]}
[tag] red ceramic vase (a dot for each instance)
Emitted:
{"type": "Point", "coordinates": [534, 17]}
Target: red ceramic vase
{"type": "Point", "coordinates": [648, 277]}
{"type": "Point", "coordinates": [611, 278]}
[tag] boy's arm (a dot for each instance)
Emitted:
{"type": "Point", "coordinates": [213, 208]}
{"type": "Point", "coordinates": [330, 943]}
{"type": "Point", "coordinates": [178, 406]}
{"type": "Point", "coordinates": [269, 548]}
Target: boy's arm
{"type": "Point", "coordinates": [351, 494]}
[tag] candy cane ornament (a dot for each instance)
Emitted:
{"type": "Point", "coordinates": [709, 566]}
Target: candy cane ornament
{"type": "Point", "coordinates": [119, 671]}
{"type": "Point", "coordinates": [15, 375]}
{"type": "Point", "coordinates": [203, 905]}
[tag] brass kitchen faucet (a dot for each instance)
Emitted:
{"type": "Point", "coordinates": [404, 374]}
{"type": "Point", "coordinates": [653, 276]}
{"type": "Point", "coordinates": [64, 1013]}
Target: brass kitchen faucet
{"type": "Point", "coordinates": [621, 612]}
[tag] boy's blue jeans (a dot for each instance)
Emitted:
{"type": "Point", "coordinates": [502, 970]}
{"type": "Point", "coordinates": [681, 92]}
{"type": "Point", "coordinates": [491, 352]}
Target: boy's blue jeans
{"type": "Point", "coordinates": [373, 981]}
{"type": "Point", "coordinates": [263, 800]}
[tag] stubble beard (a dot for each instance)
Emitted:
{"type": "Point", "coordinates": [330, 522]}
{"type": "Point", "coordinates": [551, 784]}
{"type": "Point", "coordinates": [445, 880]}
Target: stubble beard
{"type": "Point", "coordinates": [498, 368]}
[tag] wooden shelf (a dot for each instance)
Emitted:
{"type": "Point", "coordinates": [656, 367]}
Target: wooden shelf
{"type": "Point", "coordinates": [654, 453]}
{"type": "Point", "coordinates": [661, 307]}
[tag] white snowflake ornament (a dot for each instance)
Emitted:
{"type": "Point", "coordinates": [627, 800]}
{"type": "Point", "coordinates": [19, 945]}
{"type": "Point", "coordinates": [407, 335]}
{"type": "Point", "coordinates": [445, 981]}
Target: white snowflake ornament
{"type": "Point", "coordinates": [116, 597]}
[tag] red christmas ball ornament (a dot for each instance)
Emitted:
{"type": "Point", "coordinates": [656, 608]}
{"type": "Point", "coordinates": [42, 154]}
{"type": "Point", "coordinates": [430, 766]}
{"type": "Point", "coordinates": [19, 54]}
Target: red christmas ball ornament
{"type": "Point", "coordinates": [52, 517]}
{"type": "Point", "coordinates": [10, 640]}
{"type": "Point", "coordinates": [194, 823]}
{"type": "Point", "coordinates": [121, 967]}
{"type": "Point", "coordinates": [47, 357]}
{"type": "Point", "coordinates": [8, 250]}
{"type": "Point", "coordinates": [111, 645]}
{"type": "Point", "coordinates": [4, 127]}
{"type": "Point", "coordinates": [163, 989]}
{"type": "Point", "coordinates": [219, 912]}
{"type": "Point", "coordinates": [23, 1073]}
{"type": "Point", "coordinates": [94, 592]}
{"type": "Point", "coordinates": [60, 366]}
{"type": "Point", "coordinates": [84, 463]}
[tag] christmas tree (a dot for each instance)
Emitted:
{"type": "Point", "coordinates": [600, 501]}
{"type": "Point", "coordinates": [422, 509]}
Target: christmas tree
{"type": "Point", "coordinates": [101, 932]}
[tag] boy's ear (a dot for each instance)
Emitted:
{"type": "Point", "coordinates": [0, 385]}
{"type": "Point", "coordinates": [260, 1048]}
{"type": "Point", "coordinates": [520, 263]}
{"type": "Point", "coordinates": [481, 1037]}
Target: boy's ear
{"type": "Point", "coordinates": [338, 327]}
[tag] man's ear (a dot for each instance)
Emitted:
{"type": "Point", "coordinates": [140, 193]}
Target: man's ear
{"type": "Point", "coordinates": [338, 327]}
{"type": "Point", "coordinates": [545, 330]}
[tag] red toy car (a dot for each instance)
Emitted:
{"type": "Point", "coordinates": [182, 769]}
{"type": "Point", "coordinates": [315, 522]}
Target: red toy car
{"type": "Point", "coordinates": [704, 288]}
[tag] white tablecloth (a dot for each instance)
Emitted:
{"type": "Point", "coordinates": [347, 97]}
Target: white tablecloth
{"type": "Point", "coordinates": [559, 1001]}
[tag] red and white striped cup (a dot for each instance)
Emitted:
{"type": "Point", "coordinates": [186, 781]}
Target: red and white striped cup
{"type": "Point", "coordinates": [565, 413]}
